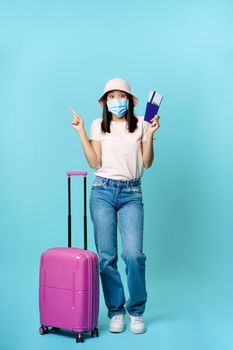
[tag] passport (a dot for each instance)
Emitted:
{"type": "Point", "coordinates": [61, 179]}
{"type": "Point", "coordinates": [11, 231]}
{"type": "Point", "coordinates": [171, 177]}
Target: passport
{"type": "Point", "coordinates": [153, 104]}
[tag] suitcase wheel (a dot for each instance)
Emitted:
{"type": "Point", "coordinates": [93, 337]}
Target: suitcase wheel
{"type": "Point", "coordinates": [43, 330]}
{"type": "Point", "coordinates": [95, 332]}
{"type": "Point", "coordinates": [79, 338]}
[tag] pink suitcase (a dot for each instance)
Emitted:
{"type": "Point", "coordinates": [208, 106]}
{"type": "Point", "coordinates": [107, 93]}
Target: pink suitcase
{"type": "Point", "coordinates": [69, 284]}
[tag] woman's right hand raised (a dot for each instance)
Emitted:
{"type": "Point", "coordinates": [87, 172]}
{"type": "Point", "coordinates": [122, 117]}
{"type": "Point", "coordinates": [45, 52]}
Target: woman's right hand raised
{"type": "Point", "coordinates": [77, 122]}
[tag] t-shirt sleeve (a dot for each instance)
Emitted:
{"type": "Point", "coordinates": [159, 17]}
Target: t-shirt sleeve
{"type": "Point", "coordinates": [95, 132]}
{"type": "Point", "coordinates": [144, 130]}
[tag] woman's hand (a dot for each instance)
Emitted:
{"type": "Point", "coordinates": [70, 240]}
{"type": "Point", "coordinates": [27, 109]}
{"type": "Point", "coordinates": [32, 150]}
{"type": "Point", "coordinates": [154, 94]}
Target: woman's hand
{"type": "Point", "coordinates": [77, 122]}
{"type": "Point", "coordinates": [154, 125]}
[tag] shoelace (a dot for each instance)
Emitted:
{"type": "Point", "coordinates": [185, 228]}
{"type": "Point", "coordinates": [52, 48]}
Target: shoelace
{"type": "Point", "coordinates": [118, 317]}
{"type": "Point", "coordinates": [138, 319]}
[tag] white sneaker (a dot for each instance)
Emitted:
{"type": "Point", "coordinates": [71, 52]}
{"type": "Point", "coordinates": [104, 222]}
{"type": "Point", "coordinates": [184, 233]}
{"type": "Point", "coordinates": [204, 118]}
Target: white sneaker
{"type": "Point", "coordinates": [137, 324]}
{"type": "Point", "coordinates": [117, 324]}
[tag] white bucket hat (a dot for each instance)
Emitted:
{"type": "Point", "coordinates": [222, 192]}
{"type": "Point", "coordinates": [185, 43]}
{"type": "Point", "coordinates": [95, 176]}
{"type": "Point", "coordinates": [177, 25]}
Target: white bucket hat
{"type": "Point", "coordinates": [117, 84]}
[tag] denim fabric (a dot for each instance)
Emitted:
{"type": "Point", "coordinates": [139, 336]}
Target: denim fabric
{"type": "Point", "coordinates": [118, 203]}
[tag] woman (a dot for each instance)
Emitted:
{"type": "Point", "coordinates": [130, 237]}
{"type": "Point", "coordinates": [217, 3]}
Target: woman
{"type": "Point", "coordinates": [119, 147]}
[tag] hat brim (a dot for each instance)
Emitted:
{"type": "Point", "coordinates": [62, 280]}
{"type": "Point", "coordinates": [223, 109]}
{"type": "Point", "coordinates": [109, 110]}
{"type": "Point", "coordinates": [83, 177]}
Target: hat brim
{"type": "Point", "coordinates": [135, 99]}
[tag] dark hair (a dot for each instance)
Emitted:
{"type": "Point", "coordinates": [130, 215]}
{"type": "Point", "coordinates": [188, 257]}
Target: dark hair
{"type": "Point", "coordinates": [107, 116]}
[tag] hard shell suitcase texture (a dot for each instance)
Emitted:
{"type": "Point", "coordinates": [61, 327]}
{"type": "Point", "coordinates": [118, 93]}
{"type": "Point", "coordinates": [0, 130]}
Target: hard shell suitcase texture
{"type": "Point", "coordinates": [69, 284]}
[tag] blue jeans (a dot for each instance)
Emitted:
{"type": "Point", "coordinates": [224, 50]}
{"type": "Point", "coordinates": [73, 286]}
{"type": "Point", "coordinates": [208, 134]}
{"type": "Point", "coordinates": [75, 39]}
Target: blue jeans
{"type": "Point", "coordinates": [118, 203]}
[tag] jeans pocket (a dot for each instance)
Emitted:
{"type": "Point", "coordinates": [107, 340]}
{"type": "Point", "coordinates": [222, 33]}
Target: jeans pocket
{"type": "Point", "coordinates": [136, 189]}
{"type": "Point", "coordinates": [98, 185]}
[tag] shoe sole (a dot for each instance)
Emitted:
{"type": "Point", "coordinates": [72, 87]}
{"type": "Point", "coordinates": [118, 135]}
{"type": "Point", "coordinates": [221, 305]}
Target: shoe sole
{"type": "Point", "coordinates": [135, 331]}
{"type": "Point", "coordinates": [114, 330]}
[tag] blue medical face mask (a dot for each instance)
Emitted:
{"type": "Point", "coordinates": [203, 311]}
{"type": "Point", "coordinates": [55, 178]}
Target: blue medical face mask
{"type": "Point", "coordinates": [118, 107]}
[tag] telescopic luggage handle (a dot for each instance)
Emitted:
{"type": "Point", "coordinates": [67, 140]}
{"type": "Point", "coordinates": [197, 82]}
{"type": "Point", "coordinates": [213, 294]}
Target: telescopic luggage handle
{"type": "Point", "coordinates": [84, 174]}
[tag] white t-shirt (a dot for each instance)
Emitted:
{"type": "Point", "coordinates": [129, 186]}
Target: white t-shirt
{"type": "Point", "coordinates": [121, 150]}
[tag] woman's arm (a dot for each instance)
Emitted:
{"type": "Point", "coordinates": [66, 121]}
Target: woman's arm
{"type": "Point", "coordinates": [92, 149]}
{"type": "Point", "coordinates": [148, 152]}
{"type": "Point", "coordinates": [147, 146]}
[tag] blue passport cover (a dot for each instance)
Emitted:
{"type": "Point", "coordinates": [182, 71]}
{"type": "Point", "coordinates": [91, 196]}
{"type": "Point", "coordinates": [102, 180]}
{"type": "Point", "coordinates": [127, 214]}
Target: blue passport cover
{"type": "Point", "coordinates": [151, 110]}
{"type": "Point", "coordinates": [152, 105]}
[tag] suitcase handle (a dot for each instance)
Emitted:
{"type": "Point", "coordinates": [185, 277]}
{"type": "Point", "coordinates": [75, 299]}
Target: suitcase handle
{"type": "Point", "coordinates": [84, 174]}
{"type": "Point", "coordinates": [72, 173]}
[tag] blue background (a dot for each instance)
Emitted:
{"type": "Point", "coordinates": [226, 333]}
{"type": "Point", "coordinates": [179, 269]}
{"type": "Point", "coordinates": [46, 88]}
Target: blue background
{"type": "Point", "coordinates": [58, 54]}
